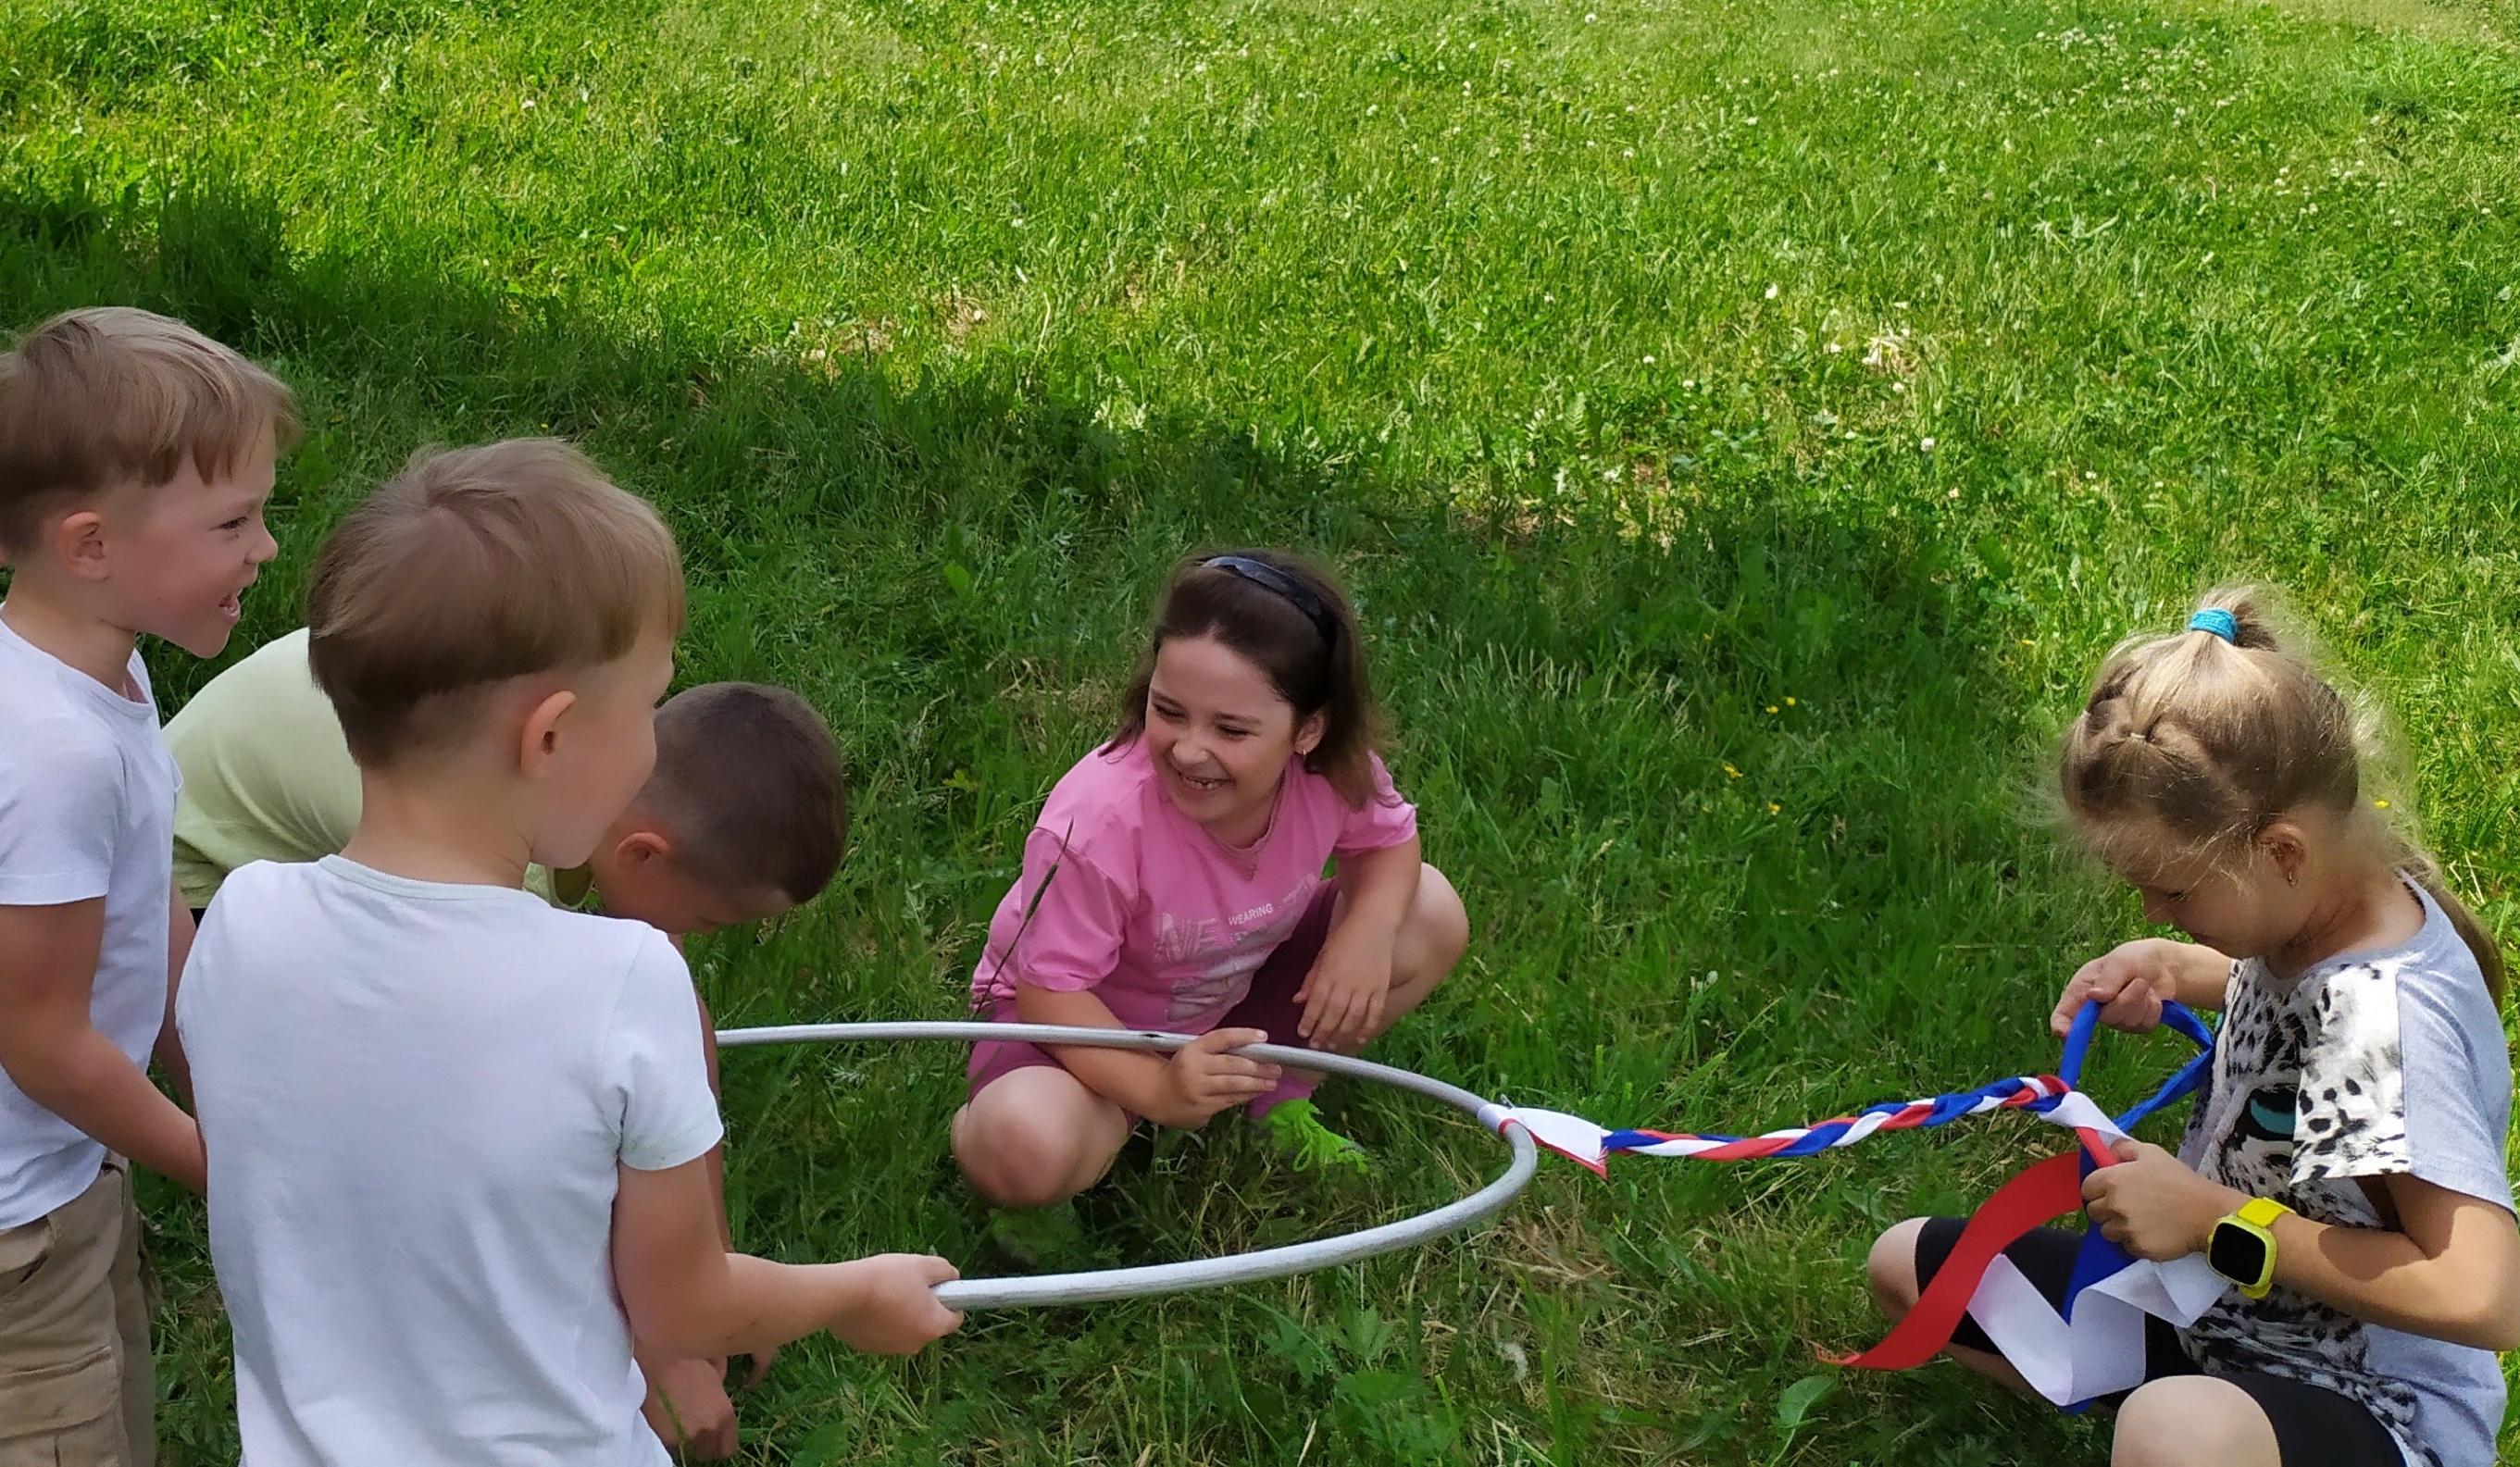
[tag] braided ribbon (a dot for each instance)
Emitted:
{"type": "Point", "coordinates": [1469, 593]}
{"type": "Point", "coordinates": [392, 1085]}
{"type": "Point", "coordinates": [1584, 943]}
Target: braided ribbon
{"type": "Point", "coordinates": [2094, 1345]}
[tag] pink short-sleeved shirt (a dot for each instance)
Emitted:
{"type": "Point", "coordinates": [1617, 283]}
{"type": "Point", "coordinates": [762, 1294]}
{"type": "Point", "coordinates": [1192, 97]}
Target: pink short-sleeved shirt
{"type": "Point", "coordinates": [1164, 923]}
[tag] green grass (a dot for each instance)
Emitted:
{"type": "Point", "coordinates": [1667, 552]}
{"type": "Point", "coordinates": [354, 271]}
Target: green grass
{"type": "Point", "coordinates": [1600, 348]}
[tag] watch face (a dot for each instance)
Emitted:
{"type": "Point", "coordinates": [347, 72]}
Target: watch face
{"type": "Point", "coordinates": [2237, 1254]}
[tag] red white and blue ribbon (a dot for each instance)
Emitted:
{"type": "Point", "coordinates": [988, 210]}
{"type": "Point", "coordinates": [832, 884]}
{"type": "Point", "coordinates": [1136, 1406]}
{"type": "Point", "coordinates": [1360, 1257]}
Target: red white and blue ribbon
{"type": "Point", "coordinates": [2095, 1346]}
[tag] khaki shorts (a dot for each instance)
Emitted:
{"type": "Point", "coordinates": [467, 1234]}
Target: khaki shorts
{"type": "Point", "coordinates": [77, 1388]}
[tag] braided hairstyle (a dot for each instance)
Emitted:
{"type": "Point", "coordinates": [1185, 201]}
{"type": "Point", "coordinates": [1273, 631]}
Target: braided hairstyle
{"type": "Point", "coordinates": [2212, 740]}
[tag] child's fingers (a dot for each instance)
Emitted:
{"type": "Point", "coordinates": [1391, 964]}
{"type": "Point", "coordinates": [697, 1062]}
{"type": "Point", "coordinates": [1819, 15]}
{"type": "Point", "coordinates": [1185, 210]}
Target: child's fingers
{"type": "Point", "coordinates": [1316, 1010]}
{"type": "Point", "coordinates": [2069, 1003]}
{"type": "Point", "coordinates": [1230, 1067]}
{"type": "Point", "coordinates": [2138, 1008]}
{"type": "Point", "coordinates": [1221, 1092]}
{"type": "Point", "coordinates": [760, 1371]}
{"type": "Point", "coordinates": [1218, 1041]}
{"type": "Point", "coordinates": [1336, 1019]}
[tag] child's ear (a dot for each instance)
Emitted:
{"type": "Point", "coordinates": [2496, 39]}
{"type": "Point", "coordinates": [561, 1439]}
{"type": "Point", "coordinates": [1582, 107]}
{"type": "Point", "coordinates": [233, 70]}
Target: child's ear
{"type": "Point", "coordinates": [1308, 733]}
{"type": "Point", "coordinates": [2281, 844]}
{"type": "Point", "coordinates": [539, 740]}
{"type": "Point", "coordinates": [639, 847]}
{"type": "Point", "coordinates": [78, 543]}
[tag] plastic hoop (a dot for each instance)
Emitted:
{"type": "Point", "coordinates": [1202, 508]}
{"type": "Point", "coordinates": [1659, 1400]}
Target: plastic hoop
{"type": "Point", "coordinates": [967, 1294]}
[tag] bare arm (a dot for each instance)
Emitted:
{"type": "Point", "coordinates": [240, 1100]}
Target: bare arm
{"type": "Point", "coordinates": [688, 1297]}
{"type": "Point", "coordinates": [2201, 978]}
{"type": "Point", "coordinates": [1132, 1079]}
{"type": "Point", "coordinates": [2451, 1269]}
{"type": "Point", "coordinates": [716, 1157]}
{"type": "Point", "coordinates": [1344, 994]}
{"type": "Point", "coordinates": [1379, 886]}
{"type": "Point", "coordinates": [179, 947]}
{"type": "Point", "coordinates": [1184, 1091]}
{"type": "Point", "coordinates": [2450, 1272]}
{"type": "Point", "coordinates": [52, 1049]}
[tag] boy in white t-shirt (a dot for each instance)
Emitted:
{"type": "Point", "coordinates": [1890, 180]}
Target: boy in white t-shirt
{"type": "Point", "coordinates": [135, 458]}
{"type": "Point", "coordinates": [456, 1135]}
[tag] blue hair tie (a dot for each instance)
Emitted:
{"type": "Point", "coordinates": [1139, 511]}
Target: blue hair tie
{"type": "Point", "coordinates": [2218, 621]}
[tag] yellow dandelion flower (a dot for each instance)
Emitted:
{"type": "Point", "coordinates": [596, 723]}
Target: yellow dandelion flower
{"type": "Point", "coordinates": [1772, 707]}
{"type": "Point", "coordinates": [1775, 809]}
{"type": "Point", "coordinates": [1789, 702]}
{"type": "Point", "coordinates": [2379, 804]}
{"type": "Point", "coordinates": [1734, 773]}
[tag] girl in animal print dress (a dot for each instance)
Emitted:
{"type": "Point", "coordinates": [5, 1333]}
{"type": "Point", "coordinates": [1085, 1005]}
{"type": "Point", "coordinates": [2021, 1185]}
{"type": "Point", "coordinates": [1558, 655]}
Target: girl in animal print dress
{"type": "Point", "coordinates": [2360, 1085]}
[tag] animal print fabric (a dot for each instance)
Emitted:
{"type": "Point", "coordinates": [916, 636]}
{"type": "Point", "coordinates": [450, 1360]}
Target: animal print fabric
{"type": "Point", "coordinates": [2307, 1102]}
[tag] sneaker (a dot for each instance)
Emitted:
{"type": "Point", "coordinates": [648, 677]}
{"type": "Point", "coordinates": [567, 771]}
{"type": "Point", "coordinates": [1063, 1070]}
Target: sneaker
{"type": "Point", "coordinates": [1295, 1127]}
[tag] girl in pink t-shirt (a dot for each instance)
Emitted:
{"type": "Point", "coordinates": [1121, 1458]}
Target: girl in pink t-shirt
{"type": "Point", "coordinates": [1174, 881]}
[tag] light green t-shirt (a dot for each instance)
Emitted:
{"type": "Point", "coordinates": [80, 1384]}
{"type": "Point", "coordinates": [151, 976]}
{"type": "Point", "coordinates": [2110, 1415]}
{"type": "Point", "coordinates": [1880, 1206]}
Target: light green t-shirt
{"type": "Point", "coordinates": [268, 776]}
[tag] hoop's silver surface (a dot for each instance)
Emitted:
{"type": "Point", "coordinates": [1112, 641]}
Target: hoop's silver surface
{"type": "Point", "coordinates": [1198, 1273]}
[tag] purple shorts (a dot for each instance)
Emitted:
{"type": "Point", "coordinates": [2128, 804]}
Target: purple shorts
{"type": "Point", "coordinates": [1270, 1004]}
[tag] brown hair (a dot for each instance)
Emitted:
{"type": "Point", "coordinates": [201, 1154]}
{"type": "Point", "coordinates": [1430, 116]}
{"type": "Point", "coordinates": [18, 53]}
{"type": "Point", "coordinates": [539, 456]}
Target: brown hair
{"type": "Point", "coordinates": [1315, 664]}
{"type": "Point", "coordinates": [749, 785]}
{"type": "Point", "coordinates": [2216, 739]}
{"type": "Point", "coordinates": [472, 566]}
{"type": "Point", "coordinates": [110, 395]}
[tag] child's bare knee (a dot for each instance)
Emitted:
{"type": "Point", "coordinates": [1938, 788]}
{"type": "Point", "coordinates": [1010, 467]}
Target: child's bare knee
{"type": "Point", "coordinates": [1892, 1267]}
{"type": "Point", "coordinates": [1014, 1158]}
{"type": "Point", "coordinates": [1439, 929]}
{"type": "Point", "coordinates": [2192, 1420]}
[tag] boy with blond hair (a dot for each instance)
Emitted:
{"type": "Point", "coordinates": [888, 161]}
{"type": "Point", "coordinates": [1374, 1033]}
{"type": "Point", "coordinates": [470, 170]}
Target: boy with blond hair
{"type": "Point", "coordinates": [135, 458]}
{"type": "Point", "coordinates": [745, 817]}
{"type": "Point", "coordinates": [457, 1135]}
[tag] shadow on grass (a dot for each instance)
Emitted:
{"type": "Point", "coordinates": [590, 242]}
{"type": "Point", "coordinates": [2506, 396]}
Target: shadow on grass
{"type": "Point", "coordinates": [1718, 728]}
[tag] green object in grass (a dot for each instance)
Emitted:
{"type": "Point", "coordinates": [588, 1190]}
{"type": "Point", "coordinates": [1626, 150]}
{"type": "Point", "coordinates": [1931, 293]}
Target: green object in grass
{"type": "Point", "coordinates": [1296, 1128]}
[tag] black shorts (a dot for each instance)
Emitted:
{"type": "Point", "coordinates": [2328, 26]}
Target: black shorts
{"type": "Point", "coordinates": [2314, 1426]}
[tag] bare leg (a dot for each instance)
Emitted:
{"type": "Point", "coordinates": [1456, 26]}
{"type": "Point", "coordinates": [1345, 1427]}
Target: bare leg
{"type": "Point", "coordinates": [1037, 1137]}
{"type": "Point", "coordinates": [2193, 1421]}
{"type": "Point", "coordinates": [1892, 1267]}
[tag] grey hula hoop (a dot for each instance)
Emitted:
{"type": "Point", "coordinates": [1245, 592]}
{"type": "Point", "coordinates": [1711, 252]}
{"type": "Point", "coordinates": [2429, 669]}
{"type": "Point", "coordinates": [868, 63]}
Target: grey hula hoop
{"type": "Point", "coordinates": [1199, 1273]}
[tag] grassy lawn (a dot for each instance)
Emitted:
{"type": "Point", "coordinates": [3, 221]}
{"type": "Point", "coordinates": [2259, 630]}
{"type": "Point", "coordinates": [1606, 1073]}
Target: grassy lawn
{"type": "Point", "coordinates": [1745, 425]}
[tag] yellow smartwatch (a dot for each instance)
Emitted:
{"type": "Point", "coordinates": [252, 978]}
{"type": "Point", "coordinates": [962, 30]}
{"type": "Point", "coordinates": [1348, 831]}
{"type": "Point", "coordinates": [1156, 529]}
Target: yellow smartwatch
{"type": "Point", "coordinates": [2242, 1248]}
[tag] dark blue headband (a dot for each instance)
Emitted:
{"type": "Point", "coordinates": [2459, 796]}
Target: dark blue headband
{"type": "Point", "coordinates": [1269, 577]}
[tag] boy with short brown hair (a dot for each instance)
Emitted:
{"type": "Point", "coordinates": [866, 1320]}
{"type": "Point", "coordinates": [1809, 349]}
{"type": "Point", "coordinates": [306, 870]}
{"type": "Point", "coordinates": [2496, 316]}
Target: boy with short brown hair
{"type": "Point", "coordinates": [745, 817]}
{"type": "Point", "coordinates": [135, 460]}
{"type": "Point", "coordinates": [436, 1100]}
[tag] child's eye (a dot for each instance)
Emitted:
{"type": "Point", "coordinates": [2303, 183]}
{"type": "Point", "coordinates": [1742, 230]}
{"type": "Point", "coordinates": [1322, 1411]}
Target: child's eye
{"type": "Point", "coordinates": [238, 524]}
{"type": "Point", "coordinates": [1232, 733]}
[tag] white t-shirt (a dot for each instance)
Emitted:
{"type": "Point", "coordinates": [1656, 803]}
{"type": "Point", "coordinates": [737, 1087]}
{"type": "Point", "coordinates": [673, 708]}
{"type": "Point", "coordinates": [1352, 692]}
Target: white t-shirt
{"type": "Point", "coordinates": [414, 1097]}
{"type": "Point", "coordinates": [2366, 1065]}
{"type": "Point", "coordinates": [87, 810]}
